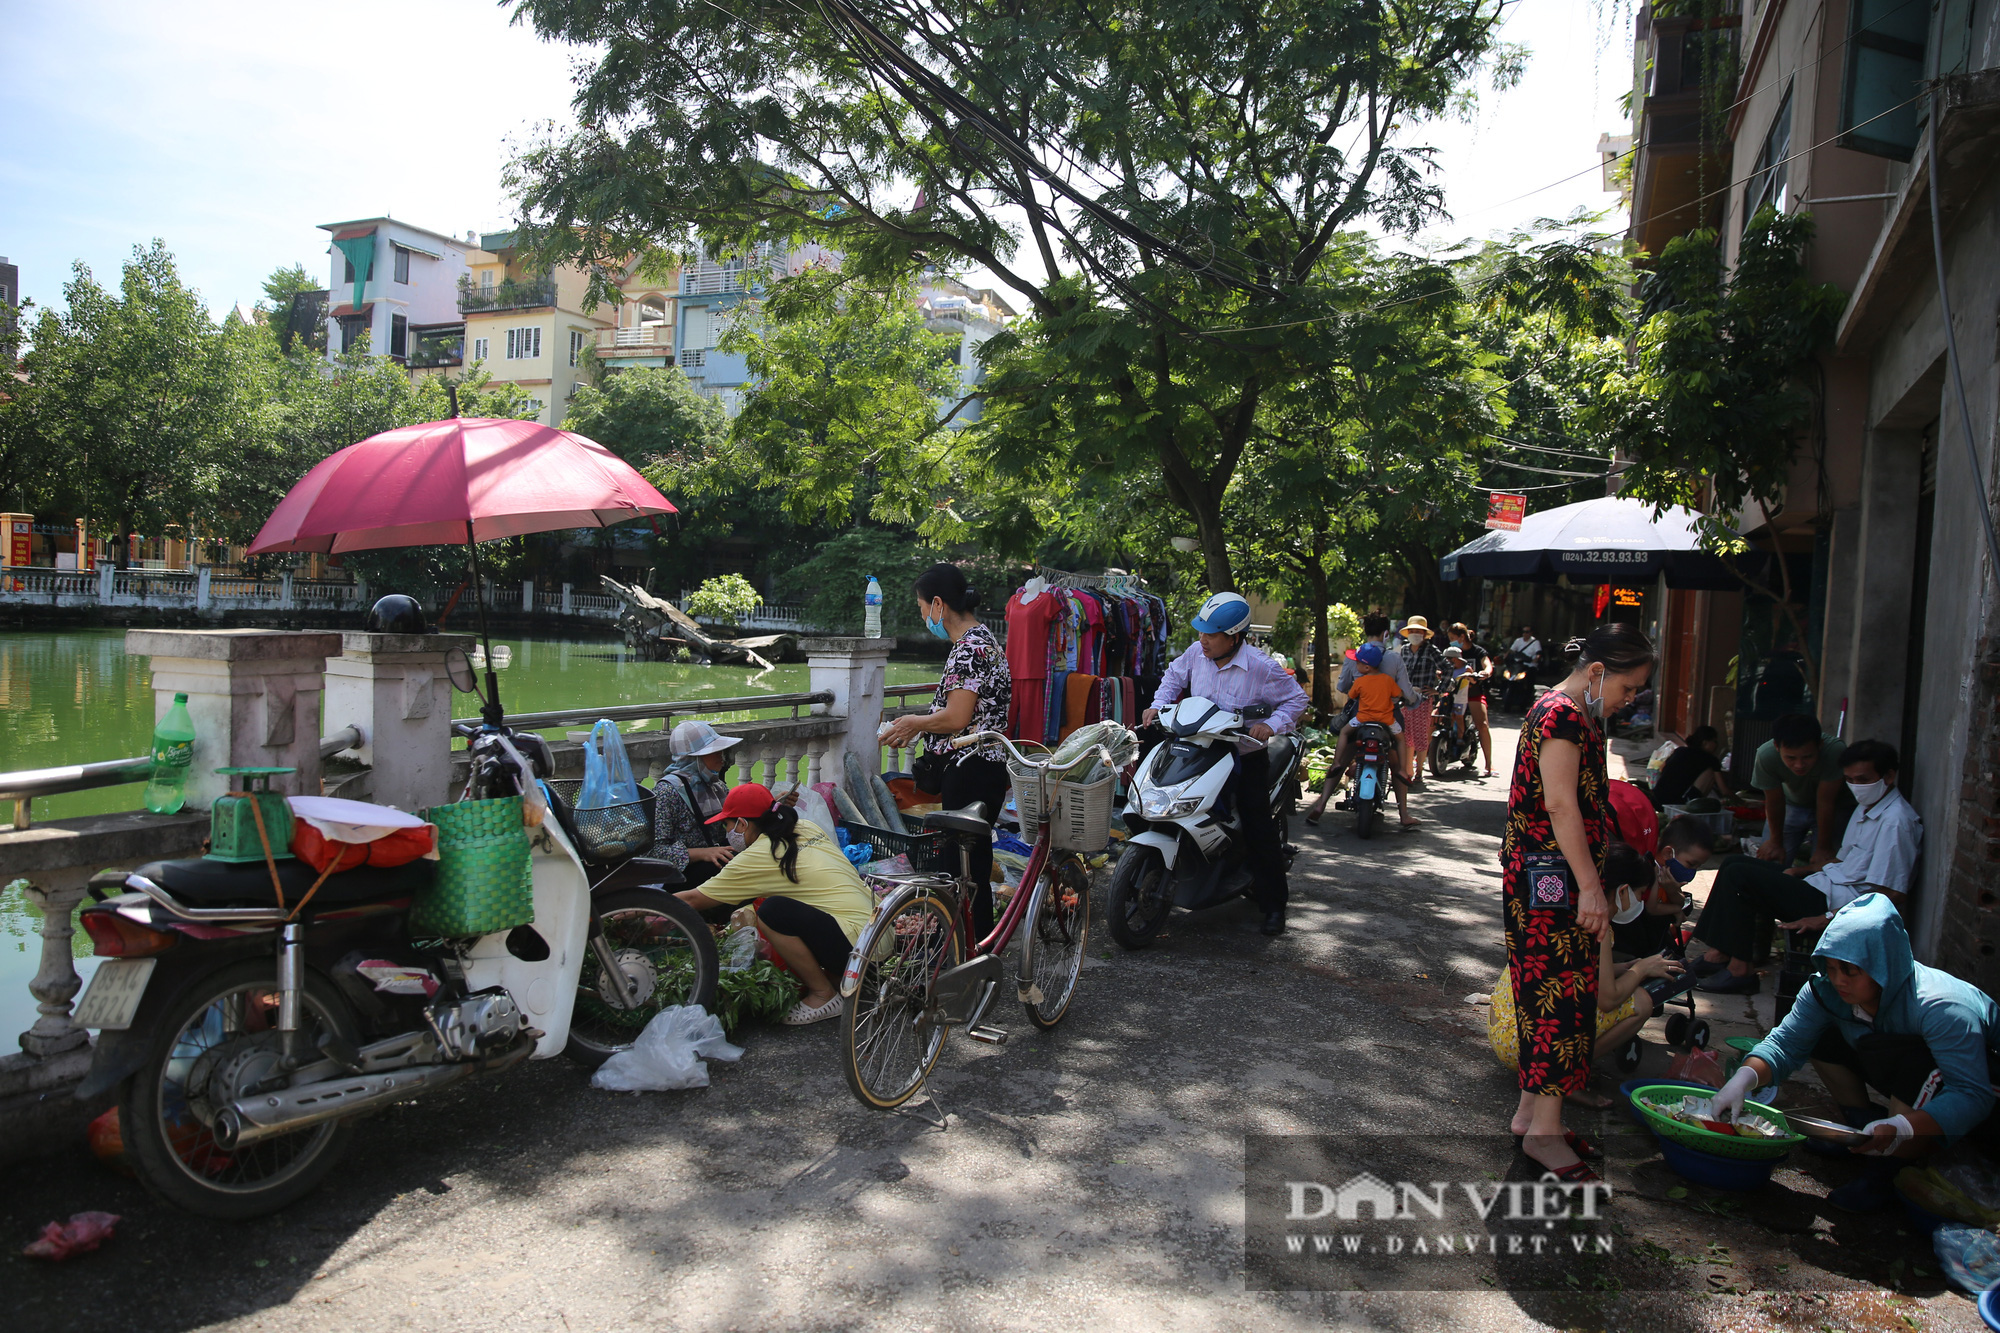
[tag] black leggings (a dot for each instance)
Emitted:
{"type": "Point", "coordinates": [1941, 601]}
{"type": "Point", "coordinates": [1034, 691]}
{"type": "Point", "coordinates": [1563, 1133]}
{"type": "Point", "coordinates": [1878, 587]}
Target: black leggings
{"type": "Point", "coordinates": [820, 932]}
{"type": "Point", "coordinates": [970, 779]}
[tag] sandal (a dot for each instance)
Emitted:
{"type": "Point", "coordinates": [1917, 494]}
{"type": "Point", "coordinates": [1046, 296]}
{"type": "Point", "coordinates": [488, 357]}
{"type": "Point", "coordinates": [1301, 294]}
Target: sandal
{"type": "Point", "coordinates": [1577, 1173]}
{"type": "Point", "coordinates": [802, 1014]}
{"type": "Point", "coordinates": [1578, 1144]}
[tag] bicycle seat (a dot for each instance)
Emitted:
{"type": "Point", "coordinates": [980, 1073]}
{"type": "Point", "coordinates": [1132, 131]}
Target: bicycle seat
{"type": "Point", "coordinates": [972, 821]}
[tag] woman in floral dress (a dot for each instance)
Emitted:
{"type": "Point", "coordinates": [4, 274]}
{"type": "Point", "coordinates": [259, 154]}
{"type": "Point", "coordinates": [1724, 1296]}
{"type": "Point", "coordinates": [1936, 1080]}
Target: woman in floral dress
{"type": "Point", "coordinates": [1558, 824]}
{"type": "Point", "coordinates": [972, 695]}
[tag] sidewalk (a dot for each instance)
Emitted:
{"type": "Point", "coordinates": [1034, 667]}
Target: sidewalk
{"type": "Point", "coordinates": [1089, 1179]}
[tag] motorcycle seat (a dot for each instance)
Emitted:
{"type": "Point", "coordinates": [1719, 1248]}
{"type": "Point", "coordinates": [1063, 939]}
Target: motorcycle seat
{"type": "Point", "coordinates": [203, 882]}
{"type": "Point", "coordinates": [972, 821]}
{"type": "Point", "coordinates": [1281, 749]}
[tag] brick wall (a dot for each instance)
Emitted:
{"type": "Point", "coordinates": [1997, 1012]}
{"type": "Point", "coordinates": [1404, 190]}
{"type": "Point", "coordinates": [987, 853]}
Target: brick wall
{"type": "Point", "coordinates": [1969, 944]}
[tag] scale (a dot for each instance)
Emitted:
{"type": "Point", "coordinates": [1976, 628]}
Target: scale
{"type": "Point", "coordinates": [232, 821]}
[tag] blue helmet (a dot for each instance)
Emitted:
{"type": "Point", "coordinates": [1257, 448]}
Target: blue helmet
{"type": "Point", "coordinates": [1224, 613]}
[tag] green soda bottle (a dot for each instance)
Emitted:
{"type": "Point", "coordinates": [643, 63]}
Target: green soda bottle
{"type": "Point", "coordinates": [173, 756]}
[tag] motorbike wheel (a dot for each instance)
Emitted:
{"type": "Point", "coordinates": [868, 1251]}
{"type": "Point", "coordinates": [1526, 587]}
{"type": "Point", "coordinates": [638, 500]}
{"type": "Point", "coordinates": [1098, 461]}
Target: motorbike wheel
{"type": "Point", "coordinates": [1141, 897]}
{"type": "Point", "coordinates": [1365, 819]}
{"type": "Point", "coordinates": [888, 1041]}
{"type": "Point", "coordinates": [1058, 936]}
{"type": "Point", "coordinates": [215, 1040]}
{"type": "Point", "coordinates": [664, 947]}
{"type": "Point", "coordinates": [1440, 755]}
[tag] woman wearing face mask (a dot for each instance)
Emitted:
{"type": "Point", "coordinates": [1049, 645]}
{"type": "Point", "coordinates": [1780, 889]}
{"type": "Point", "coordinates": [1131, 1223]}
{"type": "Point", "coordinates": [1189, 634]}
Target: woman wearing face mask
{"type": "Point", "coordinates": [1559, 822]}
{"type": "Point", "coordinates": [814, 903]}
{"type": "Point", "coordinates": [972, 695]}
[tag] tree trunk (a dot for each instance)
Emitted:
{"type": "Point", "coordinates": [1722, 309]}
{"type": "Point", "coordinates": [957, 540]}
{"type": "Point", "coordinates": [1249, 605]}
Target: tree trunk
{"type": "Point", "coordinates": [1324, 672]}
{"type": "Point", "coordinates": [1214, 543]}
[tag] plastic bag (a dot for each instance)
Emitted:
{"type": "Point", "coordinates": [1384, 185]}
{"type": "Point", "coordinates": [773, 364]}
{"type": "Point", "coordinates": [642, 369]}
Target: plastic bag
{"type": "Point", "coordinates": [1698, 1067]}
{"type": "Point", "coordinates": [607, 773]}
{"type": "Point", "coordinates": [1970, 1255]}
{"type": "Point", "coordinates": [738, 949]}
{"type": "Point", "coordinates": [858, 854]}
{"type": "Point", "coordinates": [813, 806]}
{"type": "Point", "coordinates": [82, 1233]}
{"type": "Point", "coordinates": [668, 1054]}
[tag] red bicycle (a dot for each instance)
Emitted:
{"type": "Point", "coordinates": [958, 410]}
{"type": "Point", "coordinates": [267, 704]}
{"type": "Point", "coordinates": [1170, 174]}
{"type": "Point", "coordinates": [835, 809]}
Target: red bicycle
{"type": "Point", "coordinates": [909, 980]}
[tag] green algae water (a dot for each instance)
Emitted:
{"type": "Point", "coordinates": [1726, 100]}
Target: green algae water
{"type": "Point", "coordinates": [73, 696]}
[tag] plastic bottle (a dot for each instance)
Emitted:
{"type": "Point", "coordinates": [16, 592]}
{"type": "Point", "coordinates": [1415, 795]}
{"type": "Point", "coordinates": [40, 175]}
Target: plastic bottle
{"type": "Point", "coordinates": [173, 756]}
{"type": "Point", "coordinates": [871, 603]}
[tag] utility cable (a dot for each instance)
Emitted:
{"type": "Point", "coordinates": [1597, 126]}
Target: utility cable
{"type": "Point", "coordinates": [1951, 342]}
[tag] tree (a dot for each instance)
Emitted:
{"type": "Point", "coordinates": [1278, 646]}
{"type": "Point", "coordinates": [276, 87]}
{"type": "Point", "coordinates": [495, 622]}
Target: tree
{"type": "Point", "coordinates": [1181, 173]}
{"type": "Point", "coordinates": [829, 584]}
{"type": "Point", "coordinates": [647, 414]}
{"type": "Point", "coordinates": [276, 308]}
{"type": "Point", "coordinates": [727, 600]}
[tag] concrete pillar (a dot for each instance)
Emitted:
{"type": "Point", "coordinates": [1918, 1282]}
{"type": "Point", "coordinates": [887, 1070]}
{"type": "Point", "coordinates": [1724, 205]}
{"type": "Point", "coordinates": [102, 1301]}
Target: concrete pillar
{"type": "Point", "coordinates": [1884, 571]}
{"type": "Point", "coordinates": [394, 687]}
{"type": "Point", "coordinates": [851, 670]}
{"type": "Point", "coordinates": [1836, 665]}
{"type": "Point", "coordinates": [527, 595]}
{"type": "Point", "coordinates": [56, 982]}
{"type": "Point", "coordinates": [285, 592]}
{"type": "Point", "coordinates": [254, 697]}
{"type": "Point", "coordinates": [569, 599]}
{"type": "Point", "coordinates": [201, 587]}
{"type": "Point", "coordinates": [106, 582]}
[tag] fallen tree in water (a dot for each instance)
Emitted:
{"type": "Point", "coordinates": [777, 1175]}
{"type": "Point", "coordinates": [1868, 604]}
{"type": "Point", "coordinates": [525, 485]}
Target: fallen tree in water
{"type": "Point", "coordinates": [655, 627]}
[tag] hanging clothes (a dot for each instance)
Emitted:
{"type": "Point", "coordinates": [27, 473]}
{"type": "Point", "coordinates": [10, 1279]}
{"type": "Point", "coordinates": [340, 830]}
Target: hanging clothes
{"type": "Point", "coordinates": [1031, 617]}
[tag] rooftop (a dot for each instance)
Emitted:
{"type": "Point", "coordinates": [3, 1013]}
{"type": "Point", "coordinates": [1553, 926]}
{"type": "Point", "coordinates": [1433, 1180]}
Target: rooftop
{"type": "Point", "coordinates": [448, 239]}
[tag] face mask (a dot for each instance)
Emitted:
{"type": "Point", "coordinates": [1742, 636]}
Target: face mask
{"type": "Point", "coordinates": [1594, 707]}
{"type": "Point", "coordinates": [736, 839]}
{"type": "Point", "coordinates": [936, 627]}
{"type": "Point", "coordinates": [1631, 904]}
{"type": "Point", "coordinates": [1867, 793]}
{"type": "Point", "coordinates": [1681, 874]}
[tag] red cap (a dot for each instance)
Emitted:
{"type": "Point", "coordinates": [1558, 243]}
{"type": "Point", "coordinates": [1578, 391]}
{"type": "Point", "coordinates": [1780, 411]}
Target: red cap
{"type": "Point", "coordinates": [752, 800]}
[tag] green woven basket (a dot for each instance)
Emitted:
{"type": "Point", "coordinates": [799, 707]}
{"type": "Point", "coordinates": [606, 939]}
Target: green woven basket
{"type": "Point", "coordinates": [1650, 1099]}
{"type": "Point", "coordinates": [484, 881]}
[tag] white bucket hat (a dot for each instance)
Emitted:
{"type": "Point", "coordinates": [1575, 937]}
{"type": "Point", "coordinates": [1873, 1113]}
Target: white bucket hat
{"type": "Point", "coordinates": [695, 737]}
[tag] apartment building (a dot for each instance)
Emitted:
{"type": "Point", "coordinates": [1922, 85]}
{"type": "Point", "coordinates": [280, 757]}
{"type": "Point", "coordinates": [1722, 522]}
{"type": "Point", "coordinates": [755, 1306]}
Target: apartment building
{"type": "Point", "coordinates": [1837, 106]}
{"type": "Point", "coordinates": [10, 296]}
{"type": "Point", "coordinates": [395, 285]}
{"type": "Point", "coordinates": [529, 328]}
{"type": "Point", "coordinates": [969, 314]}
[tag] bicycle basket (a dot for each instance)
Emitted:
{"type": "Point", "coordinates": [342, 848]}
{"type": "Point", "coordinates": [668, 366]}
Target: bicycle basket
{"type": "Point", "coordinates": [609, 832]}
{"type": "Point", "coordinates": [1079, 813]}
{"type": "Point", "coordinates": [925, 847]}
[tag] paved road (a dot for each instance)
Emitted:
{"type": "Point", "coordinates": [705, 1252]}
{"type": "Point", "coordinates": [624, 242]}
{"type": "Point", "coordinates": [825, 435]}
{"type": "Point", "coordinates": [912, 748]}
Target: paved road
{"type": "Point", "coordinates": [1087, 1179]}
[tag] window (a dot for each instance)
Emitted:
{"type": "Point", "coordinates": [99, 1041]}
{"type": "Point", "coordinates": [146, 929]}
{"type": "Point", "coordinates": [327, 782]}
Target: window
{"type": "Point", "coordinates": [524, 344]}
{"type": "Point", "coordinates": [399, 335]}
{"type": "Point", "coordinates": [578, 340]}
{"type": "Point", "coordinates": [1767, 181]}
{"type": "Point", "coordinates": [353, 330]}
{"type": "Point", "coordinates": [402, 264]}
{"type": "Point", "coordinates": [486, 281]}
{"type": "Point", "coordinates": [1885, 68]}
{"type": "Point", "coordinates": [535, 404]}
{"type": "Point", "coordinates": [481, 348]}
{"type": "Point", "coordinates": [693, 358]}
{"type": "Point", "coordinates": [700, 328]}
{"type": "Point", "coordinates": [347, 272]}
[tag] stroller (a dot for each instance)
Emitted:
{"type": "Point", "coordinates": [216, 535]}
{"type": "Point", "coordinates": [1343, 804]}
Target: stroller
{"type": "Point", "coordinates": [1684, 1027]}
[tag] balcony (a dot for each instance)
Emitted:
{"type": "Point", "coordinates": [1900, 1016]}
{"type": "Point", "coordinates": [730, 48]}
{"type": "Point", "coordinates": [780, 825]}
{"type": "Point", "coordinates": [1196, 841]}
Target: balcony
{"type": "Point", "coordinates": [508, 295]}
{"type": "Point", "coordinates": [437, 352]}
{"type": "Point", "coordinates": [643, 340]}
{"type": "Point", "coordinates": [1688, 65]}
{"type": "Point", "coordinates": [711, 279]}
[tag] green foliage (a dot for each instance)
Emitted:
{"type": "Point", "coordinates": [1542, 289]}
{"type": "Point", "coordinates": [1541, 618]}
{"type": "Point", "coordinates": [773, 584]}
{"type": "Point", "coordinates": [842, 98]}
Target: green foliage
{"type": "Point", "coordinates": [829, 584]}
{"type": "Point", "coordinates": [1181, 180]}
{"type": "Point", "coordinates": [1722, 394]}
{"type": "Point", "coordinates": [759, 991]}
{"type": "Point", "coordinates": [727, 600]}
{"type": "Point", "coordinates": [649, 414]}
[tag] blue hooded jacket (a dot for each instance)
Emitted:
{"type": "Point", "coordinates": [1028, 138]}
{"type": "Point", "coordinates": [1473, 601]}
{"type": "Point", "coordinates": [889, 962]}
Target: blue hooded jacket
{"type": "Point", "coordinates": [1954, 1017]}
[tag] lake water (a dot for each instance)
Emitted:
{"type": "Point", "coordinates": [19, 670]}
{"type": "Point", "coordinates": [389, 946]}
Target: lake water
{"type": "Point", "coordinates": [75, 697]}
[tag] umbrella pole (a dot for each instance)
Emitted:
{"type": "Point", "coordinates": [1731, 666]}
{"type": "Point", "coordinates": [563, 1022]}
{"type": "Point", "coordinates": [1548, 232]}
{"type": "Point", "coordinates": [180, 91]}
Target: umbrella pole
{"type": "Point", "coordinates": [490, 710]}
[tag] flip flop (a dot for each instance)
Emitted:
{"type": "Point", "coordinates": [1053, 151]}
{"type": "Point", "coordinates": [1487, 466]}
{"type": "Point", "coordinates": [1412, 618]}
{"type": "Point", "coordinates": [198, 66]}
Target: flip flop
{"type": "Point", "coordinates": [1578, 1144]}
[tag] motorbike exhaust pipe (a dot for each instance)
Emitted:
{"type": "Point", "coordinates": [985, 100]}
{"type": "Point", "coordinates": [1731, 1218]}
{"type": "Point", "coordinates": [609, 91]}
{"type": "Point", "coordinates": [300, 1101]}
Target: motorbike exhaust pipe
{"type": "Point", "coordinates": [288, 1110]}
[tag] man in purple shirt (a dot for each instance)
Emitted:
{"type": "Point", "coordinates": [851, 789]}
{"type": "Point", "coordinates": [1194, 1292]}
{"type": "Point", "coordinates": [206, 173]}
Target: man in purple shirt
{"type": "Point", "coordinates": [1224, 669]}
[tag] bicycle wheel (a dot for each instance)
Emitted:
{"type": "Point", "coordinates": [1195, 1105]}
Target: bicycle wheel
{"type": "Point", "coordinates": [1058, 922]}
{"type": "Point", "coordinates": [888, 1041]}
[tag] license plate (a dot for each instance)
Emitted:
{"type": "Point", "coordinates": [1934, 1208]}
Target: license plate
{"type": "Point", "coordinates": [115, 991]}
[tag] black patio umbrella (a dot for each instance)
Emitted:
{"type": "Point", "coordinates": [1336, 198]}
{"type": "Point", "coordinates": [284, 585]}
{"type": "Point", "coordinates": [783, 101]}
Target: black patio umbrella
{"type": "Point", "coordinates": [1610, 540]}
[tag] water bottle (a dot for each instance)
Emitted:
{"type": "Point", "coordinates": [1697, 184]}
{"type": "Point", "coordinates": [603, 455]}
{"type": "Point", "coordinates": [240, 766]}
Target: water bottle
{"type": "Point", "coordinates": [173, 755]}
{"type": "Point", "coordinates": [871, 603]}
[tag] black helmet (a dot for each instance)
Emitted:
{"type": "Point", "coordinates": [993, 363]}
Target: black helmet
{"type": "Point", "coordinates": [396, 614]}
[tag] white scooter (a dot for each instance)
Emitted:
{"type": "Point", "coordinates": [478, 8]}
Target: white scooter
{"type": "Point", "coordinates": [1187, 848]}
{"type": "Point", "coordinates": [245, 1028]}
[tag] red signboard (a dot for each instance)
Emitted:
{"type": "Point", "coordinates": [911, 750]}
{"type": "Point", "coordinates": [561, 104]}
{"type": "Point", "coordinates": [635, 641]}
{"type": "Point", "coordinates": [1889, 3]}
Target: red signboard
{"type": "Point", "coordinates": [1505, 512]}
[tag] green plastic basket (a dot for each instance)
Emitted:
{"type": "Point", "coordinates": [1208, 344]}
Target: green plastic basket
{"type": "Point", "coordinates": [484, 881]}
{"type": "Point", "coordinates": [1707, 1140]}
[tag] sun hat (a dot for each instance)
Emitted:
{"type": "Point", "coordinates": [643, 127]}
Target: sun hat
{"type": "Point", "coordinates": [750, 800]}
{"type": "Point", "coordinates": [695, 737]}
{"type": "Point", "coordinates": [1416, 625]}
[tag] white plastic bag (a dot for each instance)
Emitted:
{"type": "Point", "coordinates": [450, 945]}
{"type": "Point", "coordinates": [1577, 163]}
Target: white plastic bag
{"type": "Point", "coordinates": [738, 949]}
{"type": "Point", "coordinates": [667, 1056]}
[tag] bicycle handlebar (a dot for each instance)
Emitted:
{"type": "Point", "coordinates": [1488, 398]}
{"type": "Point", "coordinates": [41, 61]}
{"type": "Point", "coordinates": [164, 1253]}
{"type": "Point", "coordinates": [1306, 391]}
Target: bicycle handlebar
{"type": "Point", "coordinates": [1032, 761]}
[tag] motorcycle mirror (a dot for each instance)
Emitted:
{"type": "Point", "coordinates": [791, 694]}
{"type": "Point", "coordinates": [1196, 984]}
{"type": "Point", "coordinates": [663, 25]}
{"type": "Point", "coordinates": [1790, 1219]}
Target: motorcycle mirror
{"type": "Point", "coordinates": [464, 679]}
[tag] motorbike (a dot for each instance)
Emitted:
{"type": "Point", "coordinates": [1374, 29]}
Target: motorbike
{"type": "Point", "coordinates": [245, 1039]}
{"type": "Point", "coordinates": [1446, 747]}
{"type": "Point", "coordinates": [1187, 848]}
{"type": "Point", "coordinates": [1374, 775]}
{"type": "Point", "coordinates": [1517, 682]}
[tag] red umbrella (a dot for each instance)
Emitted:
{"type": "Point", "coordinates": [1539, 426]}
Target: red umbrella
{"type": "Point", "coordinates": [467, 480]}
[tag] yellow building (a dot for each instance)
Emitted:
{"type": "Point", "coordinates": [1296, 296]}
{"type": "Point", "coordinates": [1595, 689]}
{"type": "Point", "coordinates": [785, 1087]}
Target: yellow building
{"type": "Point", "coordinates": [529, 330]}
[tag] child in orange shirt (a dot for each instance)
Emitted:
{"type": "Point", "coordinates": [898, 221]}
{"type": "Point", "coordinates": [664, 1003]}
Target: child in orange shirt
{"type": "Point", "coordinates": [1376, 698]}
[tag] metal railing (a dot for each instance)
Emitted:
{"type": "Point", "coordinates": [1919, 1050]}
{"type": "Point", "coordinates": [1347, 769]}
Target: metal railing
{"type": "Point", "coordinates": [643, 335]}
{"type": "Point", "coordinates": [508, 295]}
{"type": "Point", "coordinates": [666, 708]}
{"type": "Point", "coordinates": [23, 786]}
